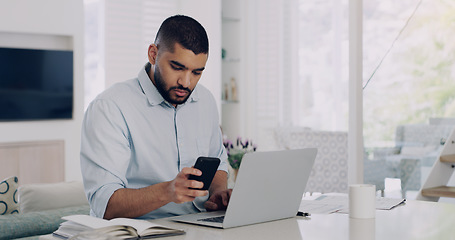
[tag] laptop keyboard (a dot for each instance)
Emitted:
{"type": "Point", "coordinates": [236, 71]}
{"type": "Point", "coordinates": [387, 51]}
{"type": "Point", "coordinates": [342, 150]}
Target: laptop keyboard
{"type": "Point", "coordinates": [219, 219]}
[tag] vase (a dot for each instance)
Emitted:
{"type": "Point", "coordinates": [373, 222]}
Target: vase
{"type": "Point", "coordinates": [235, 171]}
{"type": "Point", "coordinates": [232, 177]}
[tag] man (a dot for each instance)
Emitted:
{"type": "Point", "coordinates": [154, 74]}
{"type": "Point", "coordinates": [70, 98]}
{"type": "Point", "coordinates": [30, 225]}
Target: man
{"type": "Point", "coordinates": [140, 138]}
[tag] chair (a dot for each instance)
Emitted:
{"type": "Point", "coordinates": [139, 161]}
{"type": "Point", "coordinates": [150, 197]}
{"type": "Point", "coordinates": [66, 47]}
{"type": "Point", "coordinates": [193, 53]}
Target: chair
{"type": "Point", "coordinates": [330, 170]}
{"type": "Point", "coordinates": [410, 175]}
{"type": "Point", "coordinates": [416, 147]}
{"type": "Point", "coordinates": [375, 171]}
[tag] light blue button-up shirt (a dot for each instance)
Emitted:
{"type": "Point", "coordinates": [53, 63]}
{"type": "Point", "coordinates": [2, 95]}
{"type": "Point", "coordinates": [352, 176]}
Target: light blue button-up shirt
{"type": "Point", "coordinates": [133, 138]}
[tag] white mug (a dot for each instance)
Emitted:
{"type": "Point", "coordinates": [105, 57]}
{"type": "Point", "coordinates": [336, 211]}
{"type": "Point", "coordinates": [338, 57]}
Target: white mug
{"type": "Point", "coordinates": [362, 201]}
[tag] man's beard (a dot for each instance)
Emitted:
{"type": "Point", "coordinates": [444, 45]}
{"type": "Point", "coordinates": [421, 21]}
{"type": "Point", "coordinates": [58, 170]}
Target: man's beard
{"type": "Point", "coordinates": [166, 93]}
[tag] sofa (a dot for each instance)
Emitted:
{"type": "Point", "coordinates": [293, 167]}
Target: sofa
{"type": "Point", "coordinates": [36, 209]}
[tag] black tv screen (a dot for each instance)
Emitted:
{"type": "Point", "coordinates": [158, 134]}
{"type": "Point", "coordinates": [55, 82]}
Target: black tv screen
{"type": "Point", "coordinates": [35, 84]}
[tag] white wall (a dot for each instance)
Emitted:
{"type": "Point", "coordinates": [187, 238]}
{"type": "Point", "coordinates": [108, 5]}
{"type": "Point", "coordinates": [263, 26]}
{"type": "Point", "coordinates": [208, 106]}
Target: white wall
{"type": "Point", "coordinates": [53, 20]}
{"type": "Point", "coordinates": [49, 18]}
{"type": "Point", "coordinates": [208, 13]}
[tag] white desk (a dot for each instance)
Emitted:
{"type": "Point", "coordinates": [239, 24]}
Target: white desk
{"type": "Point", "coordinates": [414, 220]}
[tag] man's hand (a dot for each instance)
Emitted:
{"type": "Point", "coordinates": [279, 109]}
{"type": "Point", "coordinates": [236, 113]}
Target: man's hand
{"type": "Point", "coordinates": [179, 187]}
{"type": "Point", "coordinates": [133, 203]}
{"type": "Point", "coordinates": [218, 201]}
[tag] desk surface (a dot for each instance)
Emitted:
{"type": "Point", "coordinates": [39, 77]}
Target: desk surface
{"type": "Point", "coordinates": [413, 220]}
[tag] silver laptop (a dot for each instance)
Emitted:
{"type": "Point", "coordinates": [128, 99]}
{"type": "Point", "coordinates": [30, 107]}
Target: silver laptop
{"type": "Point", "coordinates": [269, 186]}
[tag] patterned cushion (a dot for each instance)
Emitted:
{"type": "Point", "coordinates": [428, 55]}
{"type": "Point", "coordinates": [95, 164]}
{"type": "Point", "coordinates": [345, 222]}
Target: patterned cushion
{"type": "Point", "coordinates": [8, 196]}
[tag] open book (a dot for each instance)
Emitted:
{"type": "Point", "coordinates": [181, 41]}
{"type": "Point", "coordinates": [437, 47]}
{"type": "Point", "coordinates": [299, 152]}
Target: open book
{"type": "Point", "coordinates": [88, 227]}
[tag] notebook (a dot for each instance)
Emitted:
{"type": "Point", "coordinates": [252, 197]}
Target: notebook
{"type": "Point", "coordinates": [269, 186]}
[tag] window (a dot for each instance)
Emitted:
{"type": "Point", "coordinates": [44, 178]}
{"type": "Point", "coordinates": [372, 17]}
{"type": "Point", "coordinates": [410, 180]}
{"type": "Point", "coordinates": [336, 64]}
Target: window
{"type": "Point", "coordinates": [408, 67]}
{"type": "Point", "coordinates": [410, 61]}
{"type": "Point", "coordinates": [117, 35]}
{"type": "Point", "coordinates": [322, 95]}
{"type": "Point", "coordinates": [301, 57]}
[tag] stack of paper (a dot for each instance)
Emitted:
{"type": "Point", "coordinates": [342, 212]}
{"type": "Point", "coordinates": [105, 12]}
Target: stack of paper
{"type": "Point", "coordinates": [339, 203]}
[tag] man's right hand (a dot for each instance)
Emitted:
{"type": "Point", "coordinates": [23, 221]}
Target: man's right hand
{"type": "Point", "coordinates": [132, 203]}
{"type": "Point", "coordinates": [179, 188]}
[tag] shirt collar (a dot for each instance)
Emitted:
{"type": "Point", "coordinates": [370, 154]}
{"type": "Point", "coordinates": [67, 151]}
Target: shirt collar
{"type": "Point", "coordinates": [151, 92]}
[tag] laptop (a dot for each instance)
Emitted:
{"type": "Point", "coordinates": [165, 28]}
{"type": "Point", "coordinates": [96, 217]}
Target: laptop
{"type": "Point", "coordinates": [269, 186]}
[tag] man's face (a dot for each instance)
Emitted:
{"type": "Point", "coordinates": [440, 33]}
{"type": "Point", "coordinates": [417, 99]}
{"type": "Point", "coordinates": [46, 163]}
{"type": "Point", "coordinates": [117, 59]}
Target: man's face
{"type": "Point", "coordinates": [176, 73]}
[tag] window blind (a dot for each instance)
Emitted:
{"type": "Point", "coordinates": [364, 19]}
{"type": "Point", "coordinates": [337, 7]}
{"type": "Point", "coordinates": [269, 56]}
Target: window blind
{"type": "Point", "coordinates": [275, 77]}
{"type": "Point", "coordinates": [129, 28]}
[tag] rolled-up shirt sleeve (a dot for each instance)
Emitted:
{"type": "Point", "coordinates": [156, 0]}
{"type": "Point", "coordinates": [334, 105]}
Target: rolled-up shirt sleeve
{"type": "Point", "coordinates": [105, 153]}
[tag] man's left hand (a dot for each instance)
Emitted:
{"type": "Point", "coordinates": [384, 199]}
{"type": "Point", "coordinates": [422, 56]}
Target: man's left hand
{"type": "Point", "coordinates": [218, 200]}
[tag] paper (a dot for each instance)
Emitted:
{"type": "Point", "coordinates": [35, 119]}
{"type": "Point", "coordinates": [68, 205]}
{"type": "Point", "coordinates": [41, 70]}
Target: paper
{"type": "Point", "coordinates": [338, 203]}
{"type": "Point", "coordinates": [362, 201]}
{"type": "Point", "coordinates": [388, 203]}
{"type": "Point", "coordinates": [312, 207]}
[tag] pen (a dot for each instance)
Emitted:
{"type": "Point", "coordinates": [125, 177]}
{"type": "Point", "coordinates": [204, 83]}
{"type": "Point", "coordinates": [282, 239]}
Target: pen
{"type": "Point", "coordinates": [303, 214]}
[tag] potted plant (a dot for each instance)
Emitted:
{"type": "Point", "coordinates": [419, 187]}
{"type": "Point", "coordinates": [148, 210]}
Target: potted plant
{"type": "Point", "coordinates": [235, 152]}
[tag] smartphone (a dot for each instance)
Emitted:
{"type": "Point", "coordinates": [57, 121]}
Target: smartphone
{"type": "Point", "coordinates": [208, 167]}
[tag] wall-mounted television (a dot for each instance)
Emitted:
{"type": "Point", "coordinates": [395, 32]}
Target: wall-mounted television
{"type": "Point", "coordinates": [35, 84]}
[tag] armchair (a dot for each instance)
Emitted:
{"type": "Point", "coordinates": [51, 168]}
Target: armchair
{"type": "Point", "coordinates": [330, 170]}
{"type": "Point", "coordinates": [416, 146]}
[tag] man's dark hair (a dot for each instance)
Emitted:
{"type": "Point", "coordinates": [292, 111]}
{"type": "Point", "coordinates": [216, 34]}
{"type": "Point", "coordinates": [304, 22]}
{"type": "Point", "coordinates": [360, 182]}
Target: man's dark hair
{"type": "Point", "coordinates": [183, 30]}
